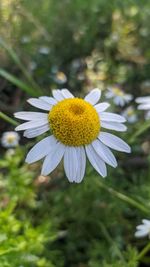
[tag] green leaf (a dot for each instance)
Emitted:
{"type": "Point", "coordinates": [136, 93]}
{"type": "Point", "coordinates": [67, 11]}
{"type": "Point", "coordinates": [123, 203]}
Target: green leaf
{"type": "Point", "coordinates": [23, 86]}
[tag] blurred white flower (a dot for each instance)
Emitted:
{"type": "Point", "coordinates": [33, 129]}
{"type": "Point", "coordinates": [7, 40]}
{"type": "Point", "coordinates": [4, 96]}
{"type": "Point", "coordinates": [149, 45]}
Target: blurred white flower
{"type": "Point", "coordinates": [119, 97]}
{"type": "Point", "coordinates": [10, 139]}
{"type": "Point", "coordinates": [81, 76]}
{"type": "Point", "coordinates": [147, 115]}
{"type": "Point", "coordinates": [32, 66]}
{"type": "Point", "coordinates": [44, 50]}
{"type": "Point", "coordinates": [130, 114]}
{"type": "Point", "coordinates": [60, 77]}
{"type": "Point", "coordinates": [10, 152]}
{"type": "Point", "coordinates": [25, 39]}
{"type": "Point", "coordinates": [144, 102]}
{"type": "Point", "coordinates": [76, 64]}
{"type": "Point", "coordinates": [145, 85]}
{"type": "Point", "coordinates": [143, 230]}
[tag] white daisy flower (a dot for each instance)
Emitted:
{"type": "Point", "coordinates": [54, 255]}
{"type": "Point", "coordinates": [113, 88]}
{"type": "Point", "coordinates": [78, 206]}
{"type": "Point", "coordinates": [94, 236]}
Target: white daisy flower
{"type": "Point", "coordinates": [144, 102]}
{"type": "Point", "coordinates": [130, 114]}
{"type": "Point", "coordinates": [10, 139]}
{"type": "Point", "coordinates": [32, 66]}
{"type": "Point", "coordinates": [119, 97]}
{"type": "Point", "coordinates": [44, 50]}
{"type": "Point", "coordinates": [143, 230]}
{"type": "Point", "coordinates": [60, 77]}
{"type": "Point", "coordinates": [76, 125]}
{"type": "Point", "coordinates": [25, 39]}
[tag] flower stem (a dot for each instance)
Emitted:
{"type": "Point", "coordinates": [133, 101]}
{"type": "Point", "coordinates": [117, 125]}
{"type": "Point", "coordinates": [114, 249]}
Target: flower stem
{"type": "Point", "coordinates": [110, 240]}
{"type": "Point", "coordinates": [144, 251]}
{"type": "Point", "coordinates": [8, 119]}
{"type": "Point", "coordinates": [123, 197]}
{"type": "Point", "coordinates": [140, 131]}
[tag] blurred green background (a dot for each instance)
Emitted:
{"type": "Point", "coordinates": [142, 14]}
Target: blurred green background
{"type": "Point", "coordinates": [79, 45]}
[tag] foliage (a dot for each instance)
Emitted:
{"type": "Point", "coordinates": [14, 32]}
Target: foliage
{"type": "Point", "coordinates": [45, 221]}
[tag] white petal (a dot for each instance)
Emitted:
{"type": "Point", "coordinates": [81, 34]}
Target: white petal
{"type": "Point", "coordinates": [71, 163]}
{"type": "Point", "coordinates": [141, 227]}
{"type": "Point", "coordinates": [107, 116]}
{"type": "Point", "coordinates": [94, 96]}
{"type": "Point", "coordinates": [146, 222]}
{"type": "Point", "coordinates": [58, 95]}
{"type": "Point", "coordinates": [128, 97]}
{"type": "Point", "coordinates": [119, 101]}
{"type": "Point", "coordinates": [66, 93]}
{"type": "Point", "coordinates": [31, 124]}
{"type": "Point", "coordinates": [101, 107]}
{"type": "Point", "coordinates": [114, 126]}
{"type": "Point", "coordinates": [81, 164]}
{"type": "Point", "coordinates": [144, 106]}
{"type": "Point", "coordinates": [39, 103]}
{"type": "Point", "coordinates": [49, 100]}
{"type": "Point", "coordinates": [53, 159]}
{"type": "Point", "coordinates": [30, 133]}
{"type": "Point", "coordinates": [143, 99]}
{"type": "Point", "coordinates": [114, 142]}
{"type": "Point", "coordinates": [105, 153]}
{"type": "Point", "coordinates": [109, 94]}
{"type": "Point", "coordinates": [96, 161]}
{"type": "Point", "coordinates": [141, 233]}
{"type": "Point", "coordinates": [41, 149]}
{"type": "Point", "coordinates": [27, 115]}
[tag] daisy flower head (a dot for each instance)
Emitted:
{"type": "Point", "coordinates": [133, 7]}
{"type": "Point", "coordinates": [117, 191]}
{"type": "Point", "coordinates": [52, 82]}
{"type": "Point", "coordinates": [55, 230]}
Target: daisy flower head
{"type": "Point", "coordinates": [76, 131]}
{"type": "Point", "coordinates": [25, 39]}
{"type": "Point", "coordinates": [130, 114]}
{"type": "Point", "coordinates": [143, 230]}
{"type": "Point", "coordinates": [144, 102]}
{"type": "Point", "coordinates": [118, 95]}
{"type": "Point", "coordinates": [10, 139]}
{"type": "Point", "coordinates": [44, 50]}
{"type": "Point", "coordinates": [60, 77]}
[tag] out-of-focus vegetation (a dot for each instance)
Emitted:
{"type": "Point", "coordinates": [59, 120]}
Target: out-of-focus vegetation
{"type": "Point", "coordinates": [45, 221]}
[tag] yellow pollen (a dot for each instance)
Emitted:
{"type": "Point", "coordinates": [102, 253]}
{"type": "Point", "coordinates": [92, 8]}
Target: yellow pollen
{"type": "Point", "coordinates": [74, 122]}
{"type": "Point", "coordinates": [118, 92]}
{"type": "Point", "coordinates": [11, 139]}
{"type": "Point", "coordinates": [130, 112]}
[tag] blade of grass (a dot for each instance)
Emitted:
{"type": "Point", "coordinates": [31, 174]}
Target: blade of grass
{"type": "Point", "coordinates": [144, 251]}
{"type": "Point", "coordinates": [11, 78]}
{"type": "Point", "coordinates": [123, 197]}
{"type": "Point", "coordinates": [143, 128]}
{"type": "Point", "coordinates": [8, 119]}
{"type": "Point", "coordinates": [18, 62]}
{"type": "Point", "coordinates": [111, 242]}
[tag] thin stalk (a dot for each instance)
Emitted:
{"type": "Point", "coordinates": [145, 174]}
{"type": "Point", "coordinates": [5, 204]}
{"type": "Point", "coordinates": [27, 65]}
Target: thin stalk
{"type": "Point", "coordinates": [123, 197]}
{"type": "Point", "coordinates": [110, 240]}
{"type": "Point", "coordinates": [144, 251]}
{"type": "Point", "coordinates": [8, 119]}
{"type": "Point", "coordinates": [30, 17]}
{"type": "Point", "coordinates": [140, 131]}
{"type": "Point", "coordinates": [17, 61]}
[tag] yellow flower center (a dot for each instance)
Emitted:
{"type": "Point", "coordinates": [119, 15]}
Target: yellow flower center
{"type": "Point", "coordinates": [74, 122]}
{"type": "Point", "coordinates": [11, 139]}
{"type": "Point", "coordinates": [61, 76]}
{"type": "Point", "coordinates": [130, 112]}
{"type": "Point", "coordinates": [118, 92]}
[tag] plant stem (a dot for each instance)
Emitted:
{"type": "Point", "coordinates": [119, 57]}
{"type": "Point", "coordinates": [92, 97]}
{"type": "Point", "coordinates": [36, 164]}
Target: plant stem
{"type": "Point", "coordinates": [123, 197]}
{"type": "Point", "coordinates": [8, 119]}
{"type": "Point", "coordinates": [110, 240]}
{"type": "Point", "coordinates": [140, 131]}
{"type": "Point", "coordinates": [144, 251]}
